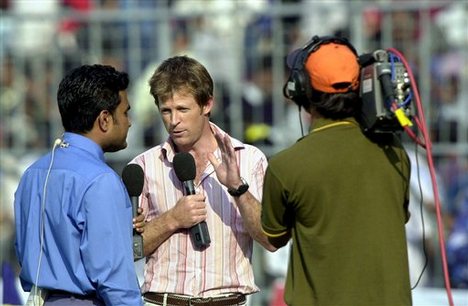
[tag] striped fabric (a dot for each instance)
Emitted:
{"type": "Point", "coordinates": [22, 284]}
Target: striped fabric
{"type": "Point", "coordinates": [225, 266]}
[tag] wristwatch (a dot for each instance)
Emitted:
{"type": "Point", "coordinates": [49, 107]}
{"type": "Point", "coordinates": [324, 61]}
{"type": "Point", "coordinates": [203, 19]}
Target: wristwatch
{"type": "Point", "coordinates": [240, 190]}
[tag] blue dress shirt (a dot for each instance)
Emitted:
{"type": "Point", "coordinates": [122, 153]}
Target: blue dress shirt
{"type": "Point", "coordinates": [87, 245]}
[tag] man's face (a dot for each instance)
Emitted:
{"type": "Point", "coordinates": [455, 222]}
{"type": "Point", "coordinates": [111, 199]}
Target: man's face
{"type": "Point", "coordinates": [119, 126]}
{"type": "Point", "coordinates": [184, 119]}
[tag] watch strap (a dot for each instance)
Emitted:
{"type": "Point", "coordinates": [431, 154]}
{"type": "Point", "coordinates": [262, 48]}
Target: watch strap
{"type": "Point", "coordinates": [237, 192]}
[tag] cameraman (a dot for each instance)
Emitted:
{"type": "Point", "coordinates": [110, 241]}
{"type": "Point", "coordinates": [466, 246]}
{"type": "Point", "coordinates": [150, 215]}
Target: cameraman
{"type": "Point", "coordinates": [340, 196]}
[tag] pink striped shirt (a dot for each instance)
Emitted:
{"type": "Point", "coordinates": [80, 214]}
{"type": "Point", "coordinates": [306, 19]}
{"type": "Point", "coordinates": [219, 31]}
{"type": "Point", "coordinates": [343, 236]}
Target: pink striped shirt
{"type": "Point", "coordinates": [223, 267]}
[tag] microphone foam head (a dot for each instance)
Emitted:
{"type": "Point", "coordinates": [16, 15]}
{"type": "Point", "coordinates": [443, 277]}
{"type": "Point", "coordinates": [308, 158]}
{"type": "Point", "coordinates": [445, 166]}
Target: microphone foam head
{"type": "Point", "coordinates": [133, 178]}
{"type": "Point", "coordinates": [184, 166]}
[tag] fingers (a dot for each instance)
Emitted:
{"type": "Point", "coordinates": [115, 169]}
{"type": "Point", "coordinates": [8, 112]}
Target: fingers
{"type": "Point", "coordinates": [140, 227]}
{"type": "Point", "coordinates": [227, 147]}
{"type": "Point", "coordinates": [190, 210]}
{"type": "Point", "coordinates": [139, 221]}
{"type": "Point", "coordinates": [213, 160]}
{"type": "Point", "coordinates": [196, 203]}
{"type": "Point", "coordinates": [219, 139]}
{"type": "Point", "coordinates": [224, 144]}
{"type": "Point", "coordinates": [140, 216]}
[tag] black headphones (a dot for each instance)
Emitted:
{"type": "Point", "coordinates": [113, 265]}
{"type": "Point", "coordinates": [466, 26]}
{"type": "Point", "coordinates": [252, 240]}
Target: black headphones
{"type": "Point", "coordinates": [297, 87]}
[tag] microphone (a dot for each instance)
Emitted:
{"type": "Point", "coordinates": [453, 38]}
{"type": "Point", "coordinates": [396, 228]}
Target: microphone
{"type": "Point", "coordinates": [133, 178]}
{"type": "Point", "coordinates": [366, 59]}
{"type": "Point", "coordinates": [184, 167]}
{"type": "Point", "coordinates": [384, 75]}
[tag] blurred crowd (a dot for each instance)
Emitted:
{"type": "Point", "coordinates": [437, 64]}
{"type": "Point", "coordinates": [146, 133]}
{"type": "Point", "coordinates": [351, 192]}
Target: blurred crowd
{"type": "Point", "coordinates": [243, 44]}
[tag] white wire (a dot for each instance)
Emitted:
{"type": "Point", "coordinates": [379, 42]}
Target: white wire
{"type": "Point", "coordinates": [57, 142]}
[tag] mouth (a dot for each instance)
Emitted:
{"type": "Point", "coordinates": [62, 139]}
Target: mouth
{"type": "Point", "coordinates": [178, 133]}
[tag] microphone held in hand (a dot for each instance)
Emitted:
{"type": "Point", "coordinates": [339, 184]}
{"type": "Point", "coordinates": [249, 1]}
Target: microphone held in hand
{"type": "Point", "coordinates": [184, 167]}
{"type": "Point", "coordinates": [133, 178]}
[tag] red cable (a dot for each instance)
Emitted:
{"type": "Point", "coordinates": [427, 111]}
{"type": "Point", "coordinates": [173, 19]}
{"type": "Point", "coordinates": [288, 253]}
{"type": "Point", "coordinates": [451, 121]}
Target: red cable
{"type": "Point", "coordinates": [428, 145]}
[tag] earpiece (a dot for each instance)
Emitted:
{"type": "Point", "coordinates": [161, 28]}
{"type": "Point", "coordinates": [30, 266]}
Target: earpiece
{"type": "Point", "coordinates": [298, 87]}
{"type": "Point", "coordinates": [60, 142]}
{"type": "Point", "coordinates": [57, 142]}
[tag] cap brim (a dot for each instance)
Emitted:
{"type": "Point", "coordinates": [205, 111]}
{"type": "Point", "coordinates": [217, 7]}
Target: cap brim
{"type": "Point", "coordinates": [291, 59]}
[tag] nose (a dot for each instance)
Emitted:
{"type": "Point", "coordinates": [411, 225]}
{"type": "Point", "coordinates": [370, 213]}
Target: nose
{"type": "Point", "coordinates": [174, 118]}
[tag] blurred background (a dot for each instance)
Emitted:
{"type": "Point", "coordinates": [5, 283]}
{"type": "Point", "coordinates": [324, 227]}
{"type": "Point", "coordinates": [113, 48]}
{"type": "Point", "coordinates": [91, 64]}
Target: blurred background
{"type": "Point", "coordinates": [243, 44]}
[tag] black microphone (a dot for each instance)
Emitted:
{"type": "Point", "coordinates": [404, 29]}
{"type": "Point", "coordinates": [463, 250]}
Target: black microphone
{"type": "Point", "coordinates": [366, 59]}
{"type": "Point", "coordinates": [184, 167]}
{"type": "Point", "coordinates": [384, 75]}
{"type": "Point", "coordinates": [133, 178]}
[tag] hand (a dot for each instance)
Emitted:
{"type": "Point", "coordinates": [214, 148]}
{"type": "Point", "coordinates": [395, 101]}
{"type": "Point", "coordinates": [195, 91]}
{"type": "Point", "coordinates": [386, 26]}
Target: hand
{"type": "Point", "coordinates": [189, 210]}
{"type": "Point", "coordinates": [139, 221]}
{"type": "Point", "coordinates": [227, 170]}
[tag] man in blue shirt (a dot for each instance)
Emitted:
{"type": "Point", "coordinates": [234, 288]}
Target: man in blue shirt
{"type": "Point", "coordinates": [73, 214]}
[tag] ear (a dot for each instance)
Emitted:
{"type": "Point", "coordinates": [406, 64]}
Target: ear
{"type": "Point", "coordinates": [208, 106]}
{"type": "Point", "coordinates": [104, 120]}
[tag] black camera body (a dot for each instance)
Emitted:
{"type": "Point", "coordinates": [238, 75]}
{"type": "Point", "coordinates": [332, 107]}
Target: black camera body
{"type": "Point", "coordinates": [384, 88]}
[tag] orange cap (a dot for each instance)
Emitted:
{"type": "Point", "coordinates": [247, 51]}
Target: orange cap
{"type": "Point", "coordinates": [333, 68]}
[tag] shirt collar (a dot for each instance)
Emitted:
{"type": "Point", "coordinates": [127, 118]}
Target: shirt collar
{"type": "Point", "coordinates": [84, 143]}
{"type": "Point", "coordinates": [322, 122]}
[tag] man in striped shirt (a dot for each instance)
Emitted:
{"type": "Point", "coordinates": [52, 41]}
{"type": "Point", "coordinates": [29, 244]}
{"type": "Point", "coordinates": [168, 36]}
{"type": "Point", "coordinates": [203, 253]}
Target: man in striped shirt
{"type": "Point", "coordinates": [228, 186]}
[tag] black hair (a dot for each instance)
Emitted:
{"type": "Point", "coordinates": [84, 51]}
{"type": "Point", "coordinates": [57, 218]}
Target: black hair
{"type": "Point", "coordinates": [86, 91]}
{"type": "Point", "coordinates": [336, 105]}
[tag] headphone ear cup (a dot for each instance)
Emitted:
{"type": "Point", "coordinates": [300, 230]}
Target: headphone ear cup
{"type": "Point", "coordinates": [296, 88]}
{"type": "Point", "coordinates": [302, 87]}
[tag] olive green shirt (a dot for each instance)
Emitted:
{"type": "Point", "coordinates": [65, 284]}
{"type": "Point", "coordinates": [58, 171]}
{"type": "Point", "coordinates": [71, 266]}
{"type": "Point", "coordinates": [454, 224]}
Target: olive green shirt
{"type": "Point", "coordinates": [343, 199]}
